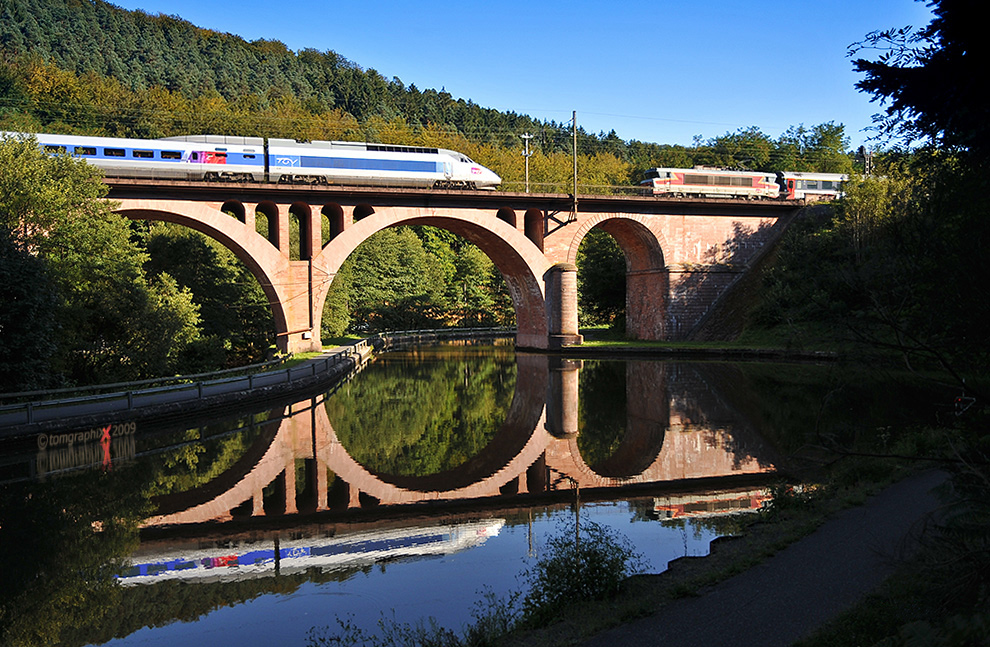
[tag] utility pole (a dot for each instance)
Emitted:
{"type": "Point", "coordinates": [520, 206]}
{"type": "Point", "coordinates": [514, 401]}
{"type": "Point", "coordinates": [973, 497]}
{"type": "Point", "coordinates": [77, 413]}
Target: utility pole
{"type": "Point", "coordinates": [526, 155]}
{"type": "Point", "coordinates": [573, 216]}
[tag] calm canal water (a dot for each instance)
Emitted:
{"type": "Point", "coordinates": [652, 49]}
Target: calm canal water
{"type": "Point", "coordinates": [433, 476]}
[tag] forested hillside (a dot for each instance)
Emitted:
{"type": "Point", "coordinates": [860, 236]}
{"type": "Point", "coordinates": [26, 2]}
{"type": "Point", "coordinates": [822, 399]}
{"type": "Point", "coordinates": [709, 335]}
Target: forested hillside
{"type": "Point", "coordinates": [143, 52]}
{"type": "Point", "coordinates": [87, 66]}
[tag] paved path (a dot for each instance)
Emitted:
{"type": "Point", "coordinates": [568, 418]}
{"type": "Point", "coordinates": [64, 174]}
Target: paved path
{"type": "Point", "coordinates": [800, 588]}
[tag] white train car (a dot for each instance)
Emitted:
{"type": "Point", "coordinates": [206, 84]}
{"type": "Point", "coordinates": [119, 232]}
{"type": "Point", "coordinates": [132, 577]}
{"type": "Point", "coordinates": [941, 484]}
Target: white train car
{"type": "Point", "coordinates": [251, 159]}
{"type": "Point", "coordinates": [209, 157]}
{"type": "Point", "coordinates": [358, 163]}
{"type": "Point", "coordinates": [707, 182]}
{"type": "Point", "coordinates": [811, 186]}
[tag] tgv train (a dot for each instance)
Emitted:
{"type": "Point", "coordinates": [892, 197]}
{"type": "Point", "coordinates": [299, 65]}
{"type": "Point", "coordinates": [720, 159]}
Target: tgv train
{"type": "Point", "coordinates": [253, 159]}
{"type": "Point", "coordinates": [761, 185]}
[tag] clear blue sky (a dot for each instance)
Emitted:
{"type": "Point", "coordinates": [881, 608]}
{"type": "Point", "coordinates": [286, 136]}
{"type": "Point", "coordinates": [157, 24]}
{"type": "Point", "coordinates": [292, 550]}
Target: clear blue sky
{"type": "Point", "coordinates": [653, 71]}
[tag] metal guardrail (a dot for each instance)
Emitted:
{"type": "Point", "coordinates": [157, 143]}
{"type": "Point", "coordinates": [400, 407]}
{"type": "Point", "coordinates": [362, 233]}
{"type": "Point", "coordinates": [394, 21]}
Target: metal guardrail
{"type": "Point", "coordinates": [127, 386]}
{"type": "Point", "coordinates": [129, 395]}
{"type": "Point", "coordinates": [25, 413]}
{"type": "Point", "coordinates": [440, 334]}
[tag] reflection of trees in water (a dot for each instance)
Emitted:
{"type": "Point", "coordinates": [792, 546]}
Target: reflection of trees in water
{"type": "Point", "coordinates": [416, 413]}
{"type": "Point", "coordinates": [58, 572]}
{"type": "Point", "coordinates": [794, 404]}
{"type": "Point", "coordinates": [626, 410]}
{"type": "Point", "coordinates": [204, 453]}
{"type": "Point", "coordinates": [602, 402]}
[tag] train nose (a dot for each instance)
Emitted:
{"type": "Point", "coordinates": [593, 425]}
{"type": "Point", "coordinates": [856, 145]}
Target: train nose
{"type": "Point", "coordinates": [491, 178]}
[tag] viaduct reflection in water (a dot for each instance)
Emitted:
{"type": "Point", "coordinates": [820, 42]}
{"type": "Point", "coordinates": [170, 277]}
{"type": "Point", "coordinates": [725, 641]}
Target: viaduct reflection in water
{"type": "Point", "coordinates": [678, 427]}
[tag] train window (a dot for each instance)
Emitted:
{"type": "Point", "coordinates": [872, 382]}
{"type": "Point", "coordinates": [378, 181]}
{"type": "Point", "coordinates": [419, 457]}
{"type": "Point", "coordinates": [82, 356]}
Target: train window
{"type": "Point", "coordinates": [171, 155]}
{"type": "Point", "coordinates": [249, 157]}
{"type": "Point", "coordinates": [85, 150]}
{"type": "Point", "coordinates": [113, 152]}
{"type": "Point", "coordinates": [384, 148]}
{"type": "Point", "coordinates": [652, 173]}
{"type": "Point", "coordinates": [49, 148]}
{"type": "Point", "coordinates": [811, 184]}
{"type": "Point", "coordinates": [143, 154]}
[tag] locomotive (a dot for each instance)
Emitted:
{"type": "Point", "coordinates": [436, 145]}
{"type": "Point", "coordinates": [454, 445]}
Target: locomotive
{"type": "Point", "coordinates": [707, 182]}
{"type": "Point", "coordinates": [255, 159]}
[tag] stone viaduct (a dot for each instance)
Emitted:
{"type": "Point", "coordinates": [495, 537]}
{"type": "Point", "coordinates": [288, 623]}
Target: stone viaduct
{"type": "Point", "coordinates": [677, 428]}
{"type": "Point", "coordinates": [682, 255]}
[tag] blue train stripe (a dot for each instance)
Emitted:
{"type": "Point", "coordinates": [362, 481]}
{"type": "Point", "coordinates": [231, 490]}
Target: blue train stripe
{"type": "Point", "coordinates": [358, 164]}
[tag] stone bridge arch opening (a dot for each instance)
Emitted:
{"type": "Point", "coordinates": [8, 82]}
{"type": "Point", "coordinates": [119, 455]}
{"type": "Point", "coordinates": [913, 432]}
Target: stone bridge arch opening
{"type": "Point", "coordinates": [520, 263]}
{"type": "Point", "coordinates": [235, 208]}
{"type": "Point", "coordinates": [266, 222]}
{"type": "Point", "coordinates": [262, 261]}
{"type": "Point", "coordinates": [300, 236]}
{"type": "Point", "coordinates": [646, 277]}
{"type": "Point", "coordinates": [332, 218]}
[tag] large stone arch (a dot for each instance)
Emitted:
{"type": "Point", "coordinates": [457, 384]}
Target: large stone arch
{"type": "Point", "coordinates": [647, 280]}
{"type": "Point", "coordinates": [517, 258]}
{"type": "Point", "coordinates": [261, 257]}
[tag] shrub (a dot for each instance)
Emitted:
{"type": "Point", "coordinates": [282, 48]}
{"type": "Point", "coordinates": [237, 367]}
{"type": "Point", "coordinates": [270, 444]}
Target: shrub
{"type": "Point", "coordinates": [586, 565]}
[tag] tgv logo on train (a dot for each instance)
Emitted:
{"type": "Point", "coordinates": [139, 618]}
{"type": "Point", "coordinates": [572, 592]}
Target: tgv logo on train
{"type": "Point", "coordinates": [253, 159]}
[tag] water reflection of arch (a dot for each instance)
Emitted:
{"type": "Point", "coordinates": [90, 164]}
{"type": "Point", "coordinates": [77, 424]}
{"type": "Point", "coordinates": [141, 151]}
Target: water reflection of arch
{"type": "Point", "coordinates": [667, 440]}
{"type": "Point", "coordinates": [518, 444]}
{"type": "Point", "coordinates": [647, 418]}
{"type": "Point", "coordinates": [305, 433]}
{"type": "Point", "coordinates": [661, 444]}
{"type": "Point", "coordinates": [263, 462]}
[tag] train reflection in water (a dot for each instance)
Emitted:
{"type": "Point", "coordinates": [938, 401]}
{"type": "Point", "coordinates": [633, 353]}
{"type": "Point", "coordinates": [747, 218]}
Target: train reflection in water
{"type": "Point", "coordinates": [709, 505]}
{"type": "Point", "coordinates": [250, 559]}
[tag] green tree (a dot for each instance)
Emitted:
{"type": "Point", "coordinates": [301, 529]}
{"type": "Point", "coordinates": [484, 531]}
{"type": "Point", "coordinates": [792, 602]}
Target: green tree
{"type": "Point", "coordinates": [27, 301]}
{"type": "Point", "coordinates": [601, 280]}
{"type": "Point", "coordinates": [819, 149]}
{"type": "Point", "coordinates": [394, 281]}
{"type": "Point", "coordinates": [745, 149]}
{"type": "Point", "coordinates": [113, 324]}
{"type": "Point", "coordinates": [236, 320]}
{"type": "Point", "coordinates": [336, 309]}
{"type": "Point", "coordinates": [471, 294]}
